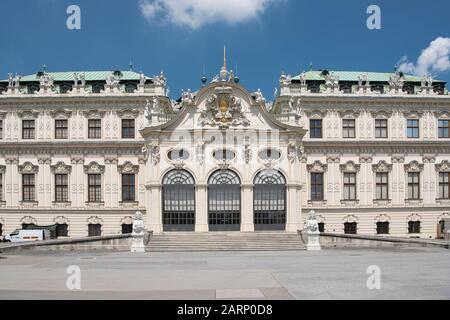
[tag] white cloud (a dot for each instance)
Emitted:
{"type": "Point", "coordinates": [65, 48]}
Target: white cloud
{"type": "Point", "coordinates": [196, 13]}
{"type": "Point", "coordinates": [434, 59]}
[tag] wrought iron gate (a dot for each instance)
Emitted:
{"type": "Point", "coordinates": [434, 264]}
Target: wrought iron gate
{"type": "Point", "coordinates": [269, 201]}
{"type": "Point", "coordinates": [224, 201]}
{"type": "Point", "coordinates": [178, 201]}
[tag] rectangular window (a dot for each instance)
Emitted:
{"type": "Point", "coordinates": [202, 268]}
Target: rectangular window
{"type": "Point", "coordinates": [28, 187]}
{"type": "Point", "coordinates": [94, 230]}
{"type": "Point", "coordinates": [94, 188]}
{"type": "Point", "coordinates": [127, 228]}
{"type": "Point", "coordinates": [28, 129]}
{"type": "Point", "coordinates": [350, 228]}
{"type": "Point", "coordinates": [315, 129]}
{"type": "Point", "coordinates": [414, 227]}
{"type": "Point", "coordinates": [381, 128]}
{"type": "Point", "coordinates": [322, 227]}
{"type": "Point", "coordinates": [317, 186]}
{"type": "Point", "coordinates": [61, 188]}
{"type": "Point", "coordinates": [349, 128]}
{"type": "Point", "coordinates": [61, 129]}
{"type": "Point", "coordinates": [382, 182]}
{"type": "Point", "coordinates": [382, 227]}
{"type": "Point", "coordinates": [444, 185]}
{"type": "Point", "coordinates": [1, 187]}
{"type": "Point", "coordinates": [413, 129]}
{"type": "Point", "coordinates": [350, 186]}
{"type": "Point", "coordinates": [128, 131]}
{"type": "Point", "coordinates": [128, 188]}
{"type": "Point", "coordinates": [444, 129]}
{"type": "Point", "coordinates": [1, 129]}
{"type": "Point", "coordinates": [62, 230]}
{"type": "Point", "coordinates": [94, 129]}
{"type": "Point", "coordinates": [414, 185]}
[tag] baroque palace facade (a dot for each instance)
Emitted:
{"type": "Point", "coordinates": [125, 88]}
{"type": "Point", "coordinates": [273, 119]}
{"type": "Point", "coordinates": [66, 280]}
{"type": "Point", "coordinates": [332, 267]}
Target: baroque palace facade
{"type": "Point", "coordinates": [369, 152]}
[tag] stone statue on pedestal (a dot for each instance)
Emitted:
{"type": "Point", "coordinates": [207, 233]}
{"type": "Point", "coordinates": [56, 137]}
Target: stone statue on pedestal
{"type": "Point", "coordinates": [312, 228]}
{"type": "Point", "coordinates": [138, 233]}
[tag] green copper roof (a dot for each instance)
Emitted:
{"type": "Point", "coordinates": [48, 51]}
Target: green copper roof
{"type": "Point", "coordinates": [90, 76]}
{"type": "Point", "coordinates": [353, 76]}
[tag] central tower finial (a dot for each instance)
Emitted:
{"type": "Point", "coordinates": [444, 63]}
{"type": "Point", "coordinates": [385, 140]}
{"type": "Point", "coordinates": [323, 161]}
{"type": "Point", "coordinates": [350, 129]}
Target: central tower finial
{"type": "Point", "coordinates": [224, 57]}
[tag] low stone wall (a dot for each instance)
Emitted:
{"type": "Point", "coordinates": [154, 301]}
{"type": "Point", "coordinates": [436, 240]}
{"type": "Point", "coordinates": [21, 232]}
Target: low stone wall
{"type": "Point", "coordinates": [104, 243]}
{"type": "Point", "coordinates": [331, 240]}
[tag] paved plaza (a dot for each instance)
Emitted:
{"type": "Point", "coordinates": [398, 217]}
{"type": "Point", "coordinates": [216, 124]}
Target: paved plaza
{"type": "Point", "coordinates": [406, 273]}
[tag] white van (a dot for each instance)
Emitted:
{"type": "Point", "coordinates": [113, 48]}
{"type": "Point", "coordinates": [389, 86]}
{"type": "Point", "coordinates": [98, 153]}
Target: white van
{"type": "Point", "coordinates": [28, 235]}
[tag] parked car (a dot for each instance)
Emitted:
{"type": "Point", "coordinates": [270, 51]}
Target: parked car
{"type": "Point", "coordinates": [28, 235]}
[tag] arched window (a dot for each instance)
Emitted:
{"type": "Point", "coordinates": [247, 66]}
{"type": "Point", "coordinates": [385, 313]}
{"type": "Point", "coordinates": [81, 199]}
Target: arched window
{"type": "Point", "coordinates": [224, 201]}
{"type": "Point", "coordinates": [178, 201]}
{"type": "Point", "coordinates": [269, 201]}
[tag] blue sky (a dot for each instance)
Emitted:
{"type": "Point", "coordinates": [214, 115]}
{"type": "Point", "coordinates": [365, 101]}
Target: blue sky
{"type": "Point", "coordinates": [278, 35]}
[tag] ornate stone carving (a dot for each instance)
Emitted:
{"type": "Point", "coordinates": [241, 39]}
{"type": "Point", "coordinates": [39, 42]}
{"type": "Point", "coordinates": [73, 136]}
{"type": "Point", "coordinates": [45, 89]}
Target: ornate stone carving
{"type": "Point", "coordinates": [95, 220]}
{"type": "Point", "coordinates": [413, 217]}
{"type": "Point", "coordinates": [248, 153]}
{"type": "Point", "coordinates": [28, 220]}
{"type": "Point", "coordinates": [312, 228]}
{"type": "Point", "coordinates": [396, 83]}
{"type": "Point", "coordinates": [128, 167]}
{"type": "Point", "coordinates": [382, 218]}
{"type": "Point", "coordinates": [138, 233]}
{"type": "Point", "coordinates": [350, 167]}
{"type": "Point", "coordinates": [364, 86]}
{"type": "Point", "coordinates": [444, 166]}
{"type": "Point", "coordinates": [317, 167]}
{"type": "Point", "coordinates": [61, 168]}
{"type": "Point", "coordinates": [61, 220]}
{"type": "Point", "coordinates": [426, 87]}
{"type": "Point", "coordinates": [223, 110]}
{"type": "Point", "coordinates": [382, 166]}
{"type": "Point", "coordinates": [153, 151]}
{"type": "Point", "coordinates": [94, 168]}
{"type": "Point", "coordinates": [414, 166]}
{"type": "Point", "coordinates": [45, 84]}
{"type": "Point", "coordinates": [294, 151]}
{"type": "Point", "coordinates": [332, 83]}
{"type": "Point", "coordinates": [351, 219]}
{"type": "Point", "coordinates": [28, 168]}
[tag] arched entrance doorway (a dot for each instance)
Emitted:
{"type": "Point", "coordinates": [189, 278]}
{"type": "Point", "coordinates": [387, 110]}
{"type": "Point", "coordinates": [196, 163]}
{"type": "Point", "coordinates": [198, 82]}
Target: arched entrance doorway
{"type": "Point", "coordinates": [178, 201]}
{"type": "Point", "coordinates": [224, 201]}
{"type": "Point", "coordinates": [269, 201]}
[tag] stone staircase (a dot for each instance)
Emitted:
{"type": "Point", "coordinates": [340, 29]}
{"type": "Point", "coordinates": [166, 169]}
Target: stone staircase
{"type": "Point", "coordinates": [225, 241]}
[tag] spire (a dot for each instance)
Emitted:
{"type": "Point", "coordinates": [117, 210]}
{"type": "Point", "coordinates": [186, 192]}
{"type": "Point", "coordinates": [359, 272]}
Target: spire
{"type": "Point", "coordinates": [224, 58]}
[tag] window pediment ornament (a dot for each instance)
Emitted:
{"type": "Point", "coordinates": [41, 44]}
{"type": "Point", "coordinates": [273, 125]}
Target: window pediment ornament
{"type": "Point", "coordinates": [94, 168]}
{"type": "Point", "coordinates": [128, 113]}
{"type": "Point", "coordinates": [128, 167]}
{"type": "Point", "coordinates": [28, 114]}
{"type": "Point", "coordinates": [351, 219]}
{"type": "Point", "coordinates": [61, 168]}
{"type": "Point", "coordinates": [413, 114]}
{"type": "Point", "coordinates": [28, 168]}
{"type": "Point", "coordinates": [414, 218]}
{"type": "Point", "coordinates": [61, 220]}
{"type": "Point", "coordinates": [382, 166]}
{"type": "Point", "coordinates": [349, 114]}
{"type": "Point", "coordinates": [382, 218]}
{"type": "Point", "coordinates": [61, 114]}
{"type": "Point", "coordinates": [28, 220]}
{"type": "Point", "coordinates": [317, 167]}
{"type": "Point", "coordinates": [350, 167]}
{"type": "Point", "coordinates": [95, 220]}
{"type": "Point", "coordinates": [2, 169]}
{"type": "Point", "coordinates": [127, 220]}
{"type": "Point", "coordinates": [443, 115]}
{"type": "Point", "coordinates": [382, 114]}
{"type": "Point", "coordinates": [94, 114]}
{"type": "Point", "coordinates": [444, 166]}
{"type": "Point", "coordinates": [316, 114]}
{"type": "Point", "coordinates": [223, 110]}
{"type": "Point", "coordinates": [414, 166]}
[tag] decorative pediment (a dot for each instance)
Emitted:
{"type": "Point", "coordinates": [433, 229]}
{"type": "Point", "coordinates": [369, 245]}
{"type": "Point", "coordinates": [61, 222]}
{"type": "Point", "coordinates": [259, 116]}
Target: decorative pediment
{"type": "Point", "coordinates": [351, 219]}
{"type": "Point", "coordinates": [382, 218]}
{"type": "Point", "coordinates": [128, 113]}
{"type": "Point", "coordinates": [382, 114]}
{"type": "Point", "coordinates": [61, 168]}
{"type": "Point", "coordinates": [61, 114]}
{"type": "Point", "coordinates": [317, 167]}
{"type": "Point", "coordinates": [382, 166]}
{"type": "Point", "coordinates": [28, 114]}
{"type": "Point", "coordinates": [28, 168]}
{"type": "Point", "coordinates": [316, 114]}
{"type": "Point", "coordinates": [94, 114]}
{"type": "Point", "coordinates": [444, 166]}
{"type": "Point", "coordinates": [414, 167]}
{"type": "Point", "coordinates": [443, 115]}
{"type": "Point", "coordinates": [28, 220]}
{"type": "Point", "coordinates": [61, 220]}
{"type": "Point", "coordinates": [128, 167]}
{"type": "Point", "coordinates": [349, 113]}
{"type": "Point", "coordinates": [223, 110]}
{"type": "Point", "coordinates": [127, 220]}
{"type": "Point", "coordinates": [413, 114]}
{"type": "Point", "coordinates": [95, 220]}
{"type": "Point", "coordinates": [413, 217]}
{"type": "Point", "coordinates": [94, 168]}
{"type": "Point", "coordinates": [350, 167]}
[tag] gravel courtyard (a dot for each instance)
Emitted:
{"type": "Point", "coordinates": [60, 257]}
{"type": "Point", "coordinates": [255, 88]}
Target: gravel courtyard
{"type": "Point", "coordinates": [406, 273]}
